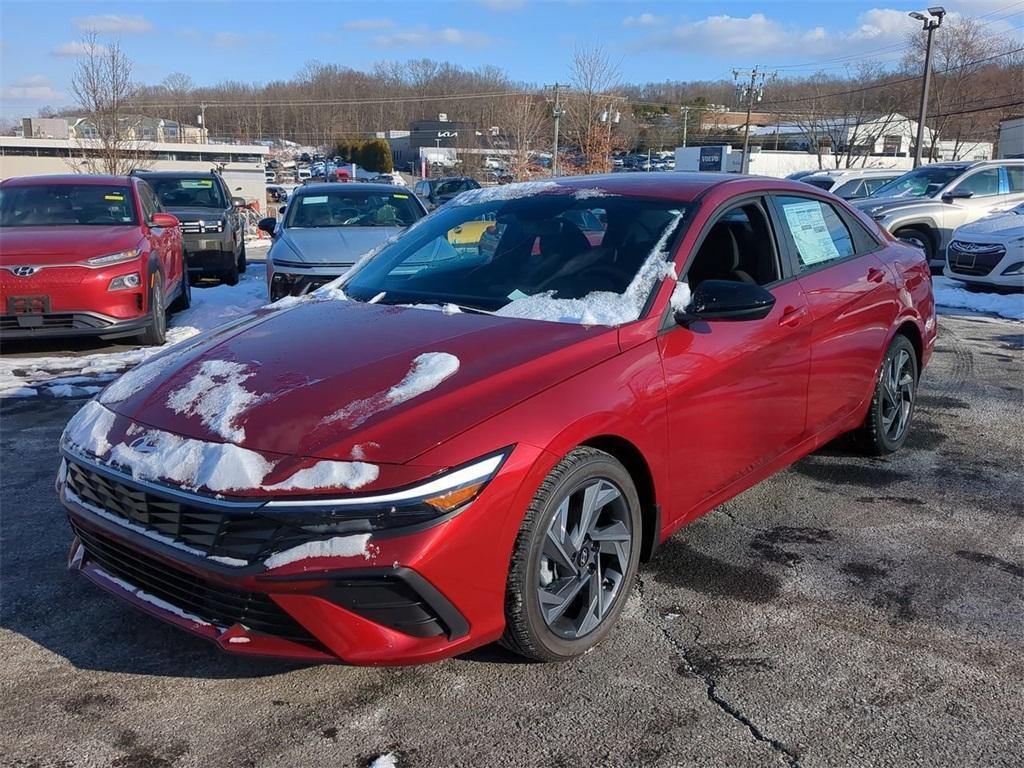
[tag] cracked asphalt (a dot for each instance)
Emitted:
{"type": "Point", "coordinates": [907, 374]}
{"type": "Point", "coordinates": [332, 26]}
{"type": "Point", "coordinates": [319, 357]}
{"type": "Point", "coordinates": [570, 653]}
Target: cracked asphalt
{"type": "Point", "coordinates": [847, 612]}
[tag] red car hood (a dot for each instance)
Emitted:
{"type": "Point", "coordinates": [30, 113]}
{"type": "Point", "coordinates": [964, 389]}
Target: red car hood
{"type": "Point", "coordinates": [303, 365]}
{"type": "Point", "coordinates": [34, 246]}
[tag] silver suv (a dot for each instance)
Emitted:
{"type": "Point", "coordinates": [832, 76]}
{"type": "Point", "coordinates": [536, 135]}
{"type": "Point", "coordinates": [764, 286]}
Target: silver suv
{"type": "Point", "coordinates": [925, 205]}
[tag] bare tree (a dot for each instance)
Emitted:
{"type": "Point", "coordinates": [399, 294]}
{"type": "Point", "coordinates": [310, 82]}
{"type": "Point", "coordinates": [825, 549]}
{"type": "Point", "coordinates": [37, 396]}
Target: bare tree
{"type": "Point", "coordinates": [523, 121]}
{"type": "Point", "coordinates": [594, 78]}
{"type": "Point", "coordinates": [179, 87]}
{"type": "Point", "coordinates": [102, 86]}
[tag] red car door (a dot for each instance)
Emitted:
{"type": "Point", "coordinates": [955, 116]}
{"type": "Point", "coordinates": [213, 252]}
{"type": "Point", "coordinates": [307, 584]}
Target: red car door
{"type": "Point", "coordinates": [852, 299]}
{"type": "Point", "coordinates": [736, 389]}
{"type": "Point", "coordinates": [161, 239]}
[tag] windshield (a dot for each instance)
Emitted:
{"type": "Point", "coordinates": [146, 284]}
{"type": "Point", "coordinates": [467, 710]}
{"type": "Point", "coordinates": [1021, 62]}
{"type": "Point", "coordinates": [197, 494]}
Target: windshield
{"type": "Point", "coordinates": [348, 206]}
{"type": "Point", "coordinates": [923, 182]}
{"type": "Point", "coordinates": [52, 205]}
{"type": "Point", "coordinates": [188, 193]}
{"type": "Point", "coordinates": [453, 187]}
{"type": "Point", "coordinates": [543, 256]}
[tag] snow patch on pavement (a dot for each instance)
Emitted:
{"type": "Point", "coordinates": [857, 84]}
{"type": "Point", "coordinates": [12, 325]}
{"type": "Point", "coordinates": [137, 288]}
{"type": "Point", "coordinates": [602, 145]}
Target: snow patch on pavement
{"type": "Point", "coordinates": [339, 546]}
{"type": "Point", "coordinates": [216, 394]}
{"type": "Point", "coordinates": [427, 372]}
{"type": "Point", "coordinates": [953, 294]}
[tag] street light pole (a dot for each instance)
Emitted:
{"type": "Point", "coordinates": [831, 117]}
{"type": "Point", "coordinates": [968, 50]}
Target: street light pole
{"type": "Point", "coordinates": [929, 26]}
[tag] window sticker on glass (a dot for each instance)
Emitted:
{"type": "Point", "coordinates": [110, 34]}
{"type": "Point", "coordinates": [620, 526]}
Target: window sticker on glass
{"type": "Point", "coordinates": [313, 199]}
{"type": "Point", "coordinates": [196, 183]}
{"type": "Point", "coordinates": [401, 197]}
{"type": "Point", "coordinates": [810, 232]}
{"type": "Point", "coordinates": [114, 198]}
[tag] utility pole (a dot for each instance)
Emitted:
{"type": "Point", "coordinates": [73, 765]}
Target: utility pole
{"type": "Point", "coordinates": [686, 121]}
{"type": "Point", "coordinates": [202, 126]}
{"type": "Point", "coordinates": [754, 90]}
{"type": "Point", "coordinates": [610, 116]}
{"type": "Point", "coordinates": [556, 113]}
{"type": "Point", "coordinates": [930, 25]}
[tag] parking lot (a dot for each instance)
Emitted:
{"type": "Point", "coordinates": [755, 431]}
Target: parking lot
{"type": "Point", "coordinates": [849, 611]}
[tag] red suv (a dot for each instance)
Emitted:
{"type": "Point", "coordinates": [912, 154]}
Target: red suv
{"type": "Point", "coordinates": [88, 255]}
{"type": "Point", "coordinates": [448, 447]}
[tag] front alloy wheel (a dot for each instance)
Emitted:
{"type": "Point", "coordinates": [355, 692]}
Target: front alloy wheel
{"type": "Point", "coordinates": [575, 558]}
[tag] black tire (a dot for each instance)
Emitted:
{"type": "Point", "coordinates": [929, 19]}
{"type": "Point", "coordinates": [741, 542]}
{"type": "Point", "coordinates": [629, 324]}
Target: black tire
{"type": "Point", "coordinates": [528, 632]}
{"type": "Point", "coordinates": [184, 299]}
{"type": "Point", "coordinates": [920, 237]}
{"type": "Point", "coordinates": [242, 263]}
{"type": "Point", "coordinates": [877, 436]}
{"type": "Point", "coordinates": [230, 276]}
{"type": "Point", "coordinates": [156, 332]}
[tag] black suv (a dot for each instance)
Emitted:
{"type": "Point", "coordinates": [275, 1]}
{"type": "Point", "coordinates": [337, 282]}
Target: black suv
{"type": "Point", "coordinates": [210, 223]}
{"type": "Point", "coordinates": [437, 192]}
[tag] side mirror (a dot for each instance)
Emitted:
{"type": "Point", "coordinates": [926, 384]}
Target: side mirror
{"type": "Point", "coordinates": [727, 300]}
{"type": "Point", "coordinates": [238, 202]}
{"type": "Point", "coordinates": [957, 194]}
{"type": "Point", "coordinates": [268, 225]}
{"type": "Point", "coordinates": [163, 221]}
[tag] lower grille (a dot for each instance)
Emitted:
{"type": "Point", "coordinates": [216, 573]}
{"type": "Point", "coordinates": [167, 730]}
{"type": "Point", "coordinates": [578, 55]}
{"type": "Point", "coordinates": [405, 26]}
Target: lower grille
{"type": "Point", "coordinates": [974, 259]}
{"type": "Point", "coordinates": [52, 320]}
{"type": "Point", "coordinates": [213, 603]}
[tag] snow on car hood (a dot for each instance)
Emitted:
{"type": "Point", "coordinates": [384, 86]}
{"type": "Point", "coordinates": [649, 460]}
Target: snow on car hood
{"type": "Point", "coordinates": [345, 381]}
{"type": "Point", "coordinates": [1006, 224]}
{"type": "Point", "coordinates": [330, 245]}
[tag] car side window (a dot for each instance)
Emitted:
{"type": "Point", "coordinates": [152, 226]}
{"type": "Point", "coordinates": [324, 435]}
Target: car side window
{"type": "Point", "coordinates": [1015, 177]}
{"type": "Point", "coordinates": [739, 247]}
{"type": "Point", "coordinates": [818, 231]}
{"type": "Point", "coordinates": [849, 189]}
{"type": "Point", "coordinates": [150, 204]}
{"type": "Point", "coordinates": [983, 183]}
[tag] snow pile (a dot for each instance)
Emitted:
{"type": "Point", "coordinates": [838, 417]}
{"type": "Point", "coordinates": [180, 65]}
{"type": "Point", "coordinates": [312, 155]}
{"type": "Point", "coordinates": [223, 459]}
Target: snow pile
{"type": "Point", "coordinates": [89, 430]}
{"type": "Point", "coordinates": [339, 546]}
{"type": "Point", "coordinates": [26, 376]}
{"type": "Point", "coordinates": [159, 455]}
{"type": "Point", "coordinates": [952, 293]}
{"type": "Point", "coordinates": [505, 192]}
{"type": "Point", "coordinates": [427, 372]}
{"type": "Point", "coordinates": [217, 396]}
{"type": "Point", "coordinates": [602, 307]}
{"type": "Point", "coordinates": [329, 474]}
{"type": "Point", "coordinates": [387, 760]}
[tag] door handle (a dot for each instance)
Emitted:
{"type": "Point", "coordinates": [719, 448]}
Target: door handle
{"type": "Point", "coordinates": [876, 275]}
{"type": "Point", "coordinates": [791, 316]}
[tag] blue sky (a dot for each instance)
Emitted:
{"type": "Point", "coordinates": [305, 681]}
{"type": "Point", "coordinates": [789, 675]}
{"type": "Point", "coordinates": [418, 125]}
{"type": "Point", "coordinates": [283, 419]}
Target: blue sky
{"type": "Point", "coordinates": [532, 40]}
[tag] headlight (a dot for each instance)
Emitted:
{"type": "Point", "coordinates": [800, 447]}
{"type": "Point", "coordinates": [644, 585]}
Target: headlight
{"type": "Point", "coordinates": [125, 282]}
{"type": "Point", "coordinates": [426, 501]}
{"type": "Point", "coordinates": [113, 258]}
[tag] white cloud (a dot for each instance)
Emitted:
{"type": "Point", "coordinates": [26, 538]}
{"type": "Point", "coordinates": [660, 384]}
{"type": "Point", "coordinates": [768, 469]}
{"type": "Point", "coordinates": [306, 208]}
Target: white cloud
{"type": "Point", "coordinates": [77, 48]}
{"type": "Point", "coordinates": [110, 22]}
{"type": "Point", "coordinates": [643, 20]}
{"type": "Point", "coordinates": [368, 24]}
{"type": "Point", "coordinates": [423, 36]}
{"type": "Point", "coordinates": [31, 89]}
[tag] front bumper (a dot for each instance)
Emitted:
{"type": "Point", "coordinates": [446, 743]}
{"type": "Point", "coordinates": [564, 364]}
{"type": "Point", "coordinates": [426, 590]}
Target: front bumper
{"type": "Point", "coordinates": [295, 279]}
{"type": "Point", "coordinates": [69, 324]}
{"type": "Point", "coordinates": [209, 255]}
{"type": "Point", "coordinates": [408, 599]}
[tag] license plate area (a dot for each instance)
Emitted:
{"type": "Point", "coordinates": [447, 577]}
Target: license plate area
{"type": "Point", "coordinates": [26, 306]}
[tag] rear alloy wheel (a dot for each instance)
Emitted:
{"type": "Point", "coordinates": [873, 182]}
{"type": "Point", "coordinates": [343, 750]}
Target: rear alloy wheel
{"type": "Point", "coordinates": [156, 332]}
{"type": "Point", "coordinates": [230, 275]}
{"type": "Point", "coordinates": [575, 558]}
{"type": "Point", "coordinates": [892, 406]}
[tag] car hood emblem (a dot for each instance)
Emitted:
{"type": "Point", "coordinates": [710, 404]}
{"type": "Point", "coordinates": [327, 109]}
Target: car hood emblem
{"type": "Point", "coordinates": [145, 444]}
{"type": "Point", "coordinates": [24, 271]}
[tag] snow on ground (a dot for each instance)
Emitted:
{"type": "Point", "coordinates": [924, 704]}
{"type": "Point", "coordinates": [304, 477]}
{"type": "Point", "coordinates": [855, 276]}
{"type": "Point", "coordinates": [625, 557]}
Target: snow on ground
{"type": "Point", "coordinates": [75, 375]}
{"type": "Point", "coordinates": [952, 294]}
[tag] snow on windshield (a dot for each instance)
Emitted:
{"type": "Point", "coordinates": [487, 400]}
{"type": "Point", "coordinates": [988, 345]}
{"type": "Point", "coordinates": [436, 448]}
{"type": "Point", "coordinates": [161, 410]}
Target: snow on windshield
{"type": "Point", "coordinates": [602, 307]}
{"type": "Point", "coordinates": [217, 396]}
{"type": "Point", "coordinates": [428, 370]}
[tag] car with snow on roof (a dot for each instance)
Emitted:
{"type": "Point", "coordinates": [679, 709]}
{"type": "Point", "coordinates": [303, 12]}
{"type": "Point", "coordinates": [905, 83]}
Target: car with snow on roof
{"type": "Point", "coordinates": [446, 448]}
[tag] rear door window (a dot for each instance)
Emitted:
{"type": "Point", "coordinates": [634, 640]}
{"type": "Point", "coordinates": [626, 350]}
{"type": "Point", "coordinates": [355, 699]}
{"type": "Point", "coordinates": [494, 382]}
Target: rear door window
{"type": "Point", "coordinates": [817, 231]}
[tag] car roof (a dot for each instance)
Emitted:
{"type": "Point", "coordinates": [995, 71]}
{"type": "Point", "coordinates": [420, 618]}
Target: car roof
{"type": "Point", "coordinates": [175, 174]}
{"type": "Point", "coordinates": [323, 186]}
{"type": "Point", "coordinates": [65, 178]}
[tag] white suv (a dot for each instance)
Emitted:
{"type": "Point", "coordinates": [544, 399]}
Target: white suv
{"type": "Point", "coordinates": [989, 252]}
{"type": "Point", "coordinates": [852, 183]}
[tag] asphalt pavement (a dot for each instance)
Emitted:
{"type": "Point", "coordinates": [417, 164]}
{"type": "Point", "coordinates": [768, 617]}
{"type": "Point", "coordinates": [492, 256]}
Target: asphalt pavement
{"type": "Point", "coordinates": [847, 612]}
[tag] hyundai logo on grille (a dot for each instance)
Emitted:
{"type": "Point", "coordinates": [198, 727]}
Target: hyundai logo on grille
{"type": "Point", "coordinates": [964, 247]}
{"type": "Point", "coordinates": [24, 271]}
{"type": "Point", "coordinates": [145, 444]}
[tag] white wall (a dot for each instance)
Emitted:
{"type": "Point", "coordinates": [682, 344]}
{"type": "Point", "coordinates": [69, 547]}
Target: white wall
{"type": "Point", "coordinates": [781, 164]}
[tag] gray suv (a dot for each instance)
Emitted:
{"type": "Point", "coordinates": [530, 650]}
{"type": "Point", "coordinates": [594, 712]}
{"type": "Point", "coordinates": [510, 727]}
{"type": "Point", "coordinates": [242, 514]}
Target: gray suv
{"type": "Point", "coordinates": [925, 205]}
{"type": "Point", "coordinates": [210, 223]}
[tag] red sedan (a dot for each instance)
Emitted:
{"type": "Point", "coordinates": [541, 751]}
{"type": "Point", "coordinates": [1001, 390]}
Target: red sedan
{"type": "Point", "coordinates": [87, 256]}
{"type": "Point", "coordinates": [446, 448]}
